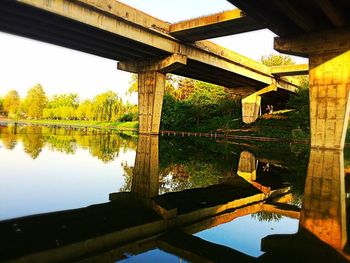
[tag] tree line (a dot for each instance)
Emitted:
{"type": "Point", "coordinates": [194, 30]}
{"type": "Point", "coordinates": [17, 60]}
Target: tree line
{"type": "Point", "coordinates": [188, 104]}
{"type": "Point", "coordinates": [104, 107]}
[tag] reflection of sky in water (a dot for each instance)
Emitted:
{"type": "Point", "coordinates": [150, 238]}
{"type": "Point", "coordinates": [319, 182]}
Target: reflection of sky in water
{"type": "Point", "coordinates": [155, 255]}
{"type": "Point", "coordinates": [245, 233]}
{"type": "Point", "coordinates": [56, 181]}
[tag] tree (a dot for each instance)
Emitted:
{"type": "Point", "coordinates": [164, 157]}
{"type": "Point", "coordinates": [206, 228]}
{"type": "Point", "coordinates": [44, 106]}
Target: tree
{"type": "Point", "coordinates": [133, 84]}
{"type": "Point", "coordinates": [35, 102]}
{"type": "Point", "coordinates": [62, 106]}
{"type": "Point", "coordinates": [107, 106]}
{"type": "Point", "coordinates": [84, 111]}
{"type": "Point", "coordinates": [12, 104]}
{"type": "Point", "coordinates": [276, 60]}
{"type": "Point", "coordinates": [1, 104]}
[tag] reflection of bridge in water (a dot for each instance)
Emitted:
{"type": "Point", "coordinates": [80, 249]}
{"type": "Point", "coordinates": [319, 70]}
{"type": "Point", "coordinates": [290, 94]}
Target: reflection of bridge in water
{"type": "Point", "coordinates": [141, 220]}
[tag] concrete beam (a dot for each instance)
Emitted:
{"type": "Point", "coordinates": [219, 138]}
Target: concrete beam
{"type": "Point", "coordinates": [165, 65]}
{"type": "Point", "coordinates": [290, 70]}
{"type": "Point", "coordinates": [103, 16]}
{"type": "Point", "coordinates": [316, 43]}
{"type": "Point", "coordinates": [127, 13]}
{"type": "Point", "coordinates": [297, 15]}
{"type": "Point", "coordinates": [217, 25]}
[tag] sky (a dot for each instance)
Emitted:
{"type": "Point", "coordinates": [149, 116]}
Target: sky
{"type": "Point", "coordinates": [25, 62]}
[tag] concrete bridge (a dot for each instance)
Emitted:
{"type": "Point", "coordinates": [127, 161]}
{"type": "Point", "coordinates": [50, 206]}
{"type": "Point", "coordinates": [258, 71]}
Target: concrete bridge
{"type": "Point", "coordinates": [150, 47]}
{"type": "Point", "coordinates": [140, 220]}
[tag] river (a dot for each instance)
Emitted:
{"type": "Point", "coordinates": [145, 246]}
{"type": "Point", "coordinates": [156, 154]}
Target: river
{"type": "Point", "coordinates": [87, 195]}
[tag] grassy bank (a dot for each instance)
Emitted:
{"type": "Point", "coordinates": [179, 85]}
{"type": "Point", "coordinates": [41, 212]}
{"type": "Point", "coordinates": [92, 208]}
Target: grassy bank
{"type": "Point", "coordinates": [76, 123]}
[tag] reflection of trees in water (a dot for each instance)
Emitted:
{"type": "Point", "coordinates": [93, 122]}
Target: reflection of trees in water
{"type": "Point", "coordinates": [8, 136]}
{"type": "Point", "coordinates": [193, 174]}
{"type": "Point", "coordinates": [128, 170]}
{"type": "Point", "coordinates": [33, 140]}
{"type": "Point", "coordinates": [103, 145]}
{"type": "Point", "coordinates": [266, 216]}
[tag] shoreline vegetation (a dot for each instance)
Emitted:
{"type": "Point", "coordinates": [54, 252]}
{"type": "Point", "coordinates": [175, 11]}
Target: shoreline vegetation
{"type": "Point", "coordinates": [188, 106]}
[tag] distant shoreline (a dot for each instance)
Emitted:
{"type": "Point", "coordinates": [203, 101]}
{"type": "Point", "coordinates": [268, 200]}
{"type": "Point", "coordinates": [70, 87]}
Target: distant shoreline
{"type": "Point", "coordinates": [120, 126]}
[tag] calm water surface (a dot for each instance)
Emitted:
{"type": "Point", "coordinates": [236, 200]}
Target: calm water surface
{"type": "Point", "coordinates": [70, 195]}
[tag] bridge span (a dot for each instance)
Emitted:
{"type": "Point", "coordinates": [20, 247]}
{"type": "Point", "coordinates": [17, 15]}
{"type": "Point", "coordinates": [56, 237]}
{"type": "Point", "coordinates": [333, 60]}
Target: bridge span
{"type": "Point", "coordinates": [151, 48]}
{"type": "Point", "coordinates": [144, 45]}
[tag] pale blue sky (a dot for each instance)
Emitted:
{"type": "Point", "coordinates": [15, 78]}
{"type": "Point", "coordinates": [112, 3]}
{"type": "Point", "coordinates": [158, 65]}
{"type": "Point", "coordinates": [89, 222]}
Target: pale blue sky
{"type": "Point", "coordinates": [24, 62]}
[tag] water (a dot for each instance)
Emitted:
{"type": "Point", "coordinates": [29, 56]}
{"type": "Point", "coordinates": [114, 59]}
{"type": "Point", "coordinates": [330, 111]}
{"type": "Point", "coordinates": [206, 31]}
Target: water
{"type": "Point", "coordinates": [73, 195]}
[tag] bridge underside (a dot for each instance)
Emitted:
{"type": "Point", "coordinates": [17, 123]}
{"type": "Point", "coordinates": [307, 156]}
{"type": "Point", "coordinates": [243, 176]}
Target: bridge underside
{"type": "Point", "coordinates": [319, 30]}
{"type": "Point", "coordinates": [31, 22]}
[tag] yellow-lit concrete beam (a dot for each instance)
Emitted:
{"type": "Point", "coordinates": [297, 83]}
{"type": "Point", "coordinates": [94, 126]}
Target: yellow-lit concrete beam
{"type": "Point", "coordinates": [217, 25]}
{"type": "Point", "coordinates": [103, 15]}
{"type": "Point", "coordinates": [290, 70]}
{"type": "Point", "coordinates": [128, 13]}
{"type": "Point", "coordinates": [165, 65]}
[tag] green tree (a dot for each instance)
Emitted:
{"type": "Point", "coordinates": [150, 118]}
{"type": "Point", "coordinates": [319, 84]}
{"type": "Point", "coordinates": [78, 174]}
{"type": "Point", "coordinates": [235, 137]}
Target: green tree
{"type": "Point", "coordinates": [12, 104]}
{"type": "Point", "coordinates": [133, 84]}
{"type": "Point", "coordinates": [1, 104]}
{"type": "Point", "coordinates": [62, 106]}
{"type": "Point", "coordinates": [84, 111]}
{"type": "Point", "coordinates": [35, 102]}
{"type": "Point", "coordinates": [107, 107]}
{"type": "Point", "coordinates": [276, 60]}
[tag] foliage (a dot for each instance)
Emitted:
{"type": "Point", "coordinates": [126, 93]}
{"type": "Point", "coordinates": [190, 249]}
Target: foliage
{"type": "Point", "coordinates": [1, 104]}
{"type": "Point", "coordinates": [105, 107]}
{"type": "Point", "coordinates": [191, 104]}
{"type": "Point", "coordinates": [276, 60]}
{"type": "Point", "coordinates": [35, 102]}
{"type": "Point", "coordinates": [12, 104]}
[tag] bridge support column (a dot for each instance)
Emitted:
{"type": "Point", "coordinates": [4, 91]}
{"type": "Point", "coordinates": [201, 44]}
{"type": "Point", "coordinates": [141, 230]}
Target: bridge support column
{"type": "Point", "coordinates": [251, 104]}
{"type": "Point", "coordinates": [251, 108]}
{"type": "Point", "coordinates": [329, 99]}
{"type": "Point", "coordinates": [151, 83]}
{"type": "Point", "coordinates": [151, 86]}
{"type": "Point", "coordinates": [329, 71]}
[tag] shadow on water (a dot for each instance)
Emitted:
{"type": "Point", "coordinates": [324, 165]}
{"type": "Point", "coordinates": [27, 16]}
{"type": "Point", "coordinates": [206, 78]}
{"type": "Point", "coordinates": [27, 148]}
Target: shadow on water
{"type": "Point", "coordinates": [177, 189]}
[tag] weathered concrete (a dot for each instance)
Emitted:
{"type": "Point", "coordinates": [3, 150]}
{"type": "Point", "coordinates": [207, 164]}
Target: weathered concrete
{"type": "Point", "coordinates": [114, 30]}
{"type": "Point", "coordinates": [150, 91]}
{"type": "Point", "coordinates": [217, 25]}
{"type": "Point", "coordinates": [329, 60]}
{"type": "Point", "coordinates": [290, 70]}
{"type": "Point", "coordinates": [329, 99]}
{"type": "Point", "coordinates": [251, 104]}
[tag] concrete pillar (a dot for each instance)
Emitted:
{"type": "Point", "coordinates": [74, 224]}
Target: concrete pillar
{"type": "Point", "coordinates": [145, 180]}
{"type": "Point", "coordinates": [251, 108]}
{"type": "Point", "coordinates": [251, 104]}
{"type": "Point", "coordinates": [151, 86]}
{"type": "Point", "coordinates": [329, 98]}
{"type": "Point", "coordinates": [323, 210]}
